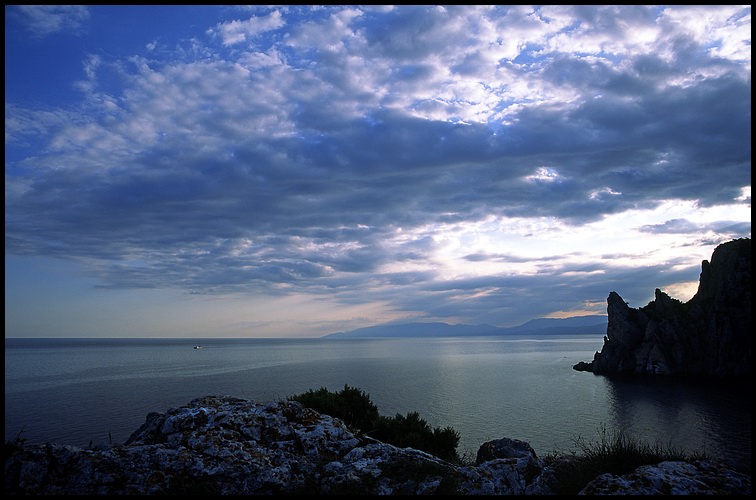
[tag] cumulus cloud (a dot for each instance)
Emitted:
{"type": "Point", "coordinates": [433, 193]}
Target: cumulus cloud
{"type": "Point", "coordinates": [233, 32]}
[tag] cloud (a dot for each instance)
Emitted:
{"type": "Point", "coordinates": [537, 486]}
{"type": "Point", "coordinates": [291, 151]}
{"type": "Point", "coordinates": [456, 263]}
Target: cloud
{"type": "Point", "coordinates": [44, 20]}
{"type": "Point", "coordinates": [683, 226]}
{"type": "Point", "coordinates": [233, 32]}
{"type": "Point", "coordinates": [354, 153]}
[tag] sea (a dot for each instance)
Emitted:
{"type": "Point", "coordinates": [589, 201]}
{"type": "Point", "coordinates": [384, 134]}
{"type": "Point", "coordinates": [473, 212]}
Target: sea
{"type": "Point", "coordinates": [85, 392]}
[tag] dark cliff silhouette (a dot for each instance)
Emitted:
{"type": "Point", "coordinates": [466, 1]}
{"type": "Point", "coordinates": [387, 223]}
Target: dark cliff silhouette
{"type": "Point", "coordinates": [710, 335]}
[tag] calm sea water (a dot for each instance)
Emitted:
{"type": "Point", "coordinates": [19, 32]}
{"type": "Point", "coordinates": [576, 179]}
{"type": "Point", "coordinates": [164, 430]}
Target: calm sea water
{"type": "Point", "coordinates": [82, 391]}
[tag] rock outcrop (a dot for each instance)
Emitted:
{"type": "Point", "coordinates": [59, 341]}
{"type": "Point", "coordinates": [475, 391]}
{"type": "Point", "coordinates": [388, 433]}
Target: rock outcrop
{"type": "Point", "coordinates": [231, 446]}
{"type": "Point", "coordinates": [710, 335]}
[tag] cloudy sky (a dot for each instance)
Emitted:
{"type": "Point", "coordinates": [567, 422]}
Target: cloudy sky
{"type": "Point", "coordinates": [293, 171]}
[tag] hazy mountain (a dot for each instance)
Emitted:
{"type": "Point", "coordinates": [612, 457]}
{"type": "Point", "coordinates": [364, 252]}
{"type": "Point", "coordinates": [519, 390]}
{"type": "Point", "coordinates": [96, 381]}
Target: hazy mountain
{"type": "Point", "coordinates": [595, 324]}
{"type": "Point", "coordinates": [557, 323]}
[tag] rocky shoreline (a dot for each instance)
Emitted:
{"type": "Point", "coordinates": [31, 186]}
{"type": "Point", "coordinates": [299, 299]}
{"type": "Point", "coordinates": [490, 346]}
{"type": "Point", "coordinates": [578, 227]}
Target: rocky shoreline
{"type": "Point", "coordinates": [231, 446]}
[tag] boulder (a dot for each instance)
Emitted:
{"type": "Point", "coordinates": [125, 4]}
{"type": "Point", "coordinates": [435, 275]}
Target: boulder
{"type": "Point", "coordinates": [672, 478]}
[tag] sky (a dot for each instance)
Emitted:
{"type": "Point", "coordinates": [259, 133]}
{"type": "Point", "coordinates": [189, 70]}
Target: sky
{"type": "Point", "coordinates": [295, 171]}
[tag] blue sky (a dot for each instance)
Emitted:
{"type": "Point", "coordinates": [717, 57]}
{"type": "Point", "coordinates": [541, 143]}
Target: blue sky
{"type": "Point", "coordinates": [294, 171]}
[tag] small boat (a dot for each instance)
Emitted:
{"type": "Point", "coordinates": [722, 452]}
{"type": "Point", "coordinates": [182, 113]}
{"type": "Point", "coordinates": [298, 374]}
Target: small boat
{"type": "Point", "coordinates": [198, 347]}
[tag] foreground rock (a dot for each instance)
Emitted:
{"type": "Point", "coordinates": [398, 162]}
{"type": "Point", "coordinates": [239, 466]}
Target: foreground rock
{"type": "Point", "coordinates": [710, 335]}
{"type": "Point", "coordinates": [231, 446]}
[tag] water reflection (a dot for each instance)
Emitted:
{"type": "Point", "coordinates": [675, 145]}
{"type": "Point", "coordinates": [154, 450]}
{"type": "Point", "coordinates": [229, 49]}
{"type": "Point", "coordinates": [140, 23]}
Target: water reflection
{"type": "Point", "coordinates": [687, 415]}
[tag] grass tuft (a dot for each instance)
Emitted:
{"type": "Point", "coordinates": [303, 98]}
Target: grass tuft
{"type": "Point", "coordinates": [615, 452]}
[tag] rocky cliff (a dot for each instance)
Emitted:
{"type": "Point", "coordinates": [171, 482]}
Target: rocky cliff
{"type": "Point", "coordinates": [710, 335]}
{"type": "Point", "coordinates": [231, 446]}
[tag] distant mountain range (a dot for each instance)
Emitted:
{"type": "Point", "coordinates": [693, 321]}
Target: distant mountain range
{"type": "Point", "coordinates": [587, 325]}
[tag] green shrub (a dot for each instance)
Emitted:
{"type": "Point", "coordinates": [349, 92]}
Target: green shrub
{"type": "Point", "coordinates": [351, 405]}
{"type": "Point", "coordinates": [414, 432]}
{"type": "Point", "coordinates": [354, 407]}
